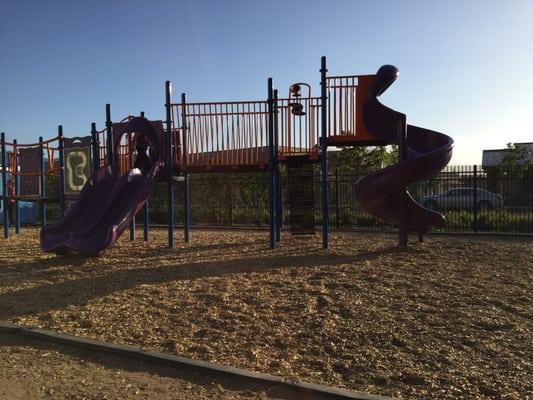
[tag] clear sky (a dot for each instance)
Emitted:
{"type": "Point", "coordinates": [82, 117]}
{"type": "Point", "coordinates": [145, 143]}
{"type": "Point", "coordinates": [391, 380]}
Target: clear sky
{"type": "Point", "coordinates": [466, 66]}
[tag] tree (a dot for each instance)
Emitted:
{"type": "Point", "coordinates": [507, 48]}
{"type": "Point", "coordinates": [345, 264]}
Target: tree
{"type": "Point", "coordinates": [515, 154]}
{"type": "Point", "coordinates": [516, 159]}
{"type": "Point", "coordinates": [363, 160]}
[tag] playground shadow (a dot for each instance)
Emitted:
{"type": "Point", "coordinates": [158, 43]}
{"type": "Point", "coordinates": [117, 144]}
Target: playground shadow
{"type": "Point", "coordinates": [46, 263]}
{"type": "Point", "coordinates": [46, 268]}
{"type": "Point", "coordinates": [59, 295]}
{"type": "Point", "coordinates": [40, 265]}
{"type": "Point", "coordinates": [218, 246]}
{"type": "Point", "coordinates": [210, 381]}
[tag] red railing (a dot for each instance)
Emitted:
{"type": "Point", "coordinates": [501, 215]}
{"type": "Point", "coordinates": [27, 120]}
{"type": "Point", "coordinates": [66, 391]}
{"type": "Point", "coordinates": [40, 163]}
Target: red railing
{"type": "Point", "coordinates": [235, 134]}
{"type": "Point", "coordinates": [298, 127]}
{"type": "Point", "coordinates": [23, 161]}
{"type": "Point", "coordinates": [223, 134]}
{"type": "Point", "coordinates": [346, 96]}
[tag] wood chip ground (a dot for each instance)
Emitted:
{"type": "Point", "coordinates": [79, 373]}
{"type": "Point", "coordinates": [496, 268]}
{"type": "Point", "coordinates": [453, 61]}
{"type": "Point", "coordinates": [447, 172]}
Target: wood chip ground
{"type": "Point", "coordinates": [445, 319]}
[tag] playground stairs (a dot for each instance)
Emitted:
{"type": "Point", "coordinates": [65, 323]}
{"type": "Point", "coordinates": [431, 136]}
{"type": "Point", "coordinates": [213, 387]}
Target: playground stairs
{"type": "Point", "coordinates": [301, 195]}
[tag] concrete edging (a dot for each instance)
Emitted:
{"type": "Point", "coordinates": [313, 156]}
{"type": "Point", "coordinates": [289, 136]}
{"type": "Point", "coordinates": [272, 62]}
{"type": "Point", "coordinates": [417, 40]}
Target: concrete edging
{"type": "Point", "coordinates": [177, 361]}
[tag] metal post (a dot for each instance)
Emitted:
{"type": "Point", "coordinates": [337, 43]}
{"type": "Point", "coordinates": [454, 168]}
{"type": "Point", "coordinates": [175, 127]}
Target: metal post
{"type": "Point", "coordinates": [230, 189]}
{"type": "Point", "coordinates": [475, 199]}
{"type": "Point", "coordinates": [109, 131]}
{"type": "Point", "coordinates": [132, 229]}
{"type": "Point", "coordinates": [271, 185]}
{"type": "Point", "coordinates": [324, 152]}
{"type": "Point", "coordinates": [279, 205]}
{"type": "Point", "coordinates": [277, 176]}
{"type": "Point", "coordinates": [186, 200]}
{"type": "Point", "coordinates": [146, 222]}
{"type": "Point", "coordinates": [146, 213]}
{"type": "Point", "coordinates": [95, 144]}
{"type": "Point", "coordinates": [16, 180]}
{"type": "Point", "coordinates": [132, 221]}
{"type": "Point", "coordinates": [337, 196]}
{"type": "Point", "coordinates": [61, 147]}
{"type": "Point", "coordinates": [170, 186]}
{"type": "Point", "coordinates": [401, 131]}
{"type": "Point", "coordinates": [42, 183]}
{"type": "Point", "coordinates": [5, 214]}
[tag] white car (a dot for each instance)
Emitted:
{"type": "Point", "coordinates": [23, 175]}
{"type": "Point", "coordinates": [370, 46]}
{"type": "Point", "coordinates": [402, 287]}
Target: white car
{"type": "Point", "coordinates": [463, 199]}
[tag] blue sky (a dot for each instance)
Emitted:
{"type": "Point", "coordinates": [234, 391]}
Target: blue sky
{"type": "Point", "coordinates": [466, 66]}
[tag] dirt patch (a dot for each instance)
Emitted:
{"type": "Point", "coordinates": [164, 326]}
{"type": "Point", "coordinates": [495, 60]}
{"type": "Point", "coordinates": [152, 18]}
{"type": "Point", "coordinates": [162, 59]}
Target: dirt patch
{"type": "Point", "coordinates": [448, 318]}
{"type": "Point", "coordinates": [32, 369]}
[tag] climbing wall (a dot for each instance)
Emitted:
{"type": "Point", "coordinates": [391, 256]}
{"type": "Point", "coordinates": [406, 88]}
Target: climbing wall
{"type": "Point", "coordinates": [301, 196]}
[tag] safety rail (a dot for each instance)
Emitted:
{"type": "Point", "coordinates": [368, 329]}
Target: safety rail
{"type": "Point", "coordinates": [23, 175]}
{"type": "Point", "coordinates": [346, 96]}
{"type": "Point", "coordinates": [297, 127]}
{"type": "Point", "coordinates": [29, 160]}
{"type": "Point", "coordinates": [223, 134]}
{"type": "Point", "coordinates": [125, 155]}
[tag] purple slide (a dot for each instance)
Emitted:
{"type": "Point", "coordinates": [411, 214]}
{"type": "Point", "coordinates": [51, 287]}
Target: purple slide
{"type": "Point", "coordinates": [105, 207]}
{"type": "Point", "coordinates": [384, 192]}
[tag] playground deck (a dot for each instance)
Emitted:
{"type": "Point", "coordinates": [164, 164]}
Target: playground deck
{"type": "Point", "coordinates": [448, 318]}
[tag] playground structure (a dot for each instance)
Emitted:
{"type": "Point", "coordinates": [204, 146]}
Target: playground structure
{"type": "Point", "coordinates": [127, 157]}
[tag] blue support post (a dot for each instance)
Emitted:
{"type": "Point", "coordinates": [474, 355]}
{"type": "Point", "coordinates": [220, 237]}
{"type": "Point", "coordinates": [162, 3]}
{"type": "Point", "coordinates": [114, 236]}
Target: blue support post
{"type": "Point", "coordinates": [132, 221]}
{"type": "Point", "coordinates": [16, 183]}
{"type": "Point", "coordinates": [5, 214]}
{"type": "Point", "coordinates": [146, 221]}
{"type": "Point", "coordinates": [109, 132]}
{"type": "Point", "coordinates": [324, 152]}
{"type": "Point", "coordinates": [95, 146]}
{"type": "Point", "coordinates": [476, 208]}
{"type": "Point", "coordinates": [146, 213]}
{"type": "Point", "coordinates": [61, 148]}
{"type": "Point", "coordinates": [271, 165]}
{"type": "Point", "coordinates": [42, 183]}
{"type": "Point", "coordinates": [277, 177]}
{"type": "Point", "coordinates": [132, 229]}
{"type": "Point", "coordinates": [186, 199]}
{"type": "Point", "coordinates": [170, 186]}
{"type": "Point", "coordinates": [401, 134]}
{"type": "Point", "coordinates": [337, 197]}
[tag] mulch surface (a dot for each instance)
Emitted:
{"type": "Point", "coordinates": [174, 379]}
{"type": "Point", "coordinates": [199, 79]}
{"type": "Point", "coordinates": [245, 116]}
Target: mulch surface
{"type": "Point", "coordinates": [32, 369]}
{"type": "Point", "coordinates": [449, 318]}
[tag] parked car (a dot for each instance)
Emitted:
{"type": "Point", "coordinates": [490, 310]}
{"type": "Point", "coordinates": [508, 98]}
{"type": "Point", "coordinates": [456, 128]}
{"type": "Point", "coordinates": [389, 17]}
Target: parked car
{"type": "Point", "coordinates": [463, 199]}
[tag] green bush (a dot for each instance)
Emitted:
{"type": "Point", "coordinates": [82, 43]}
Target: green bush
{"type": "Point", "coordinates": [489, 221]}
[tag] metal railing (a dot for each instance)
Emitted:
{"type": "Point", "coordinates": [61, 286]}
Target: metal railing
{"type": "Point", "coordinates": [473, 200]}
{"type": "Point", "coordinates": [298, 126]}
{"type": "Point", "coordinates": [224, 134]}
